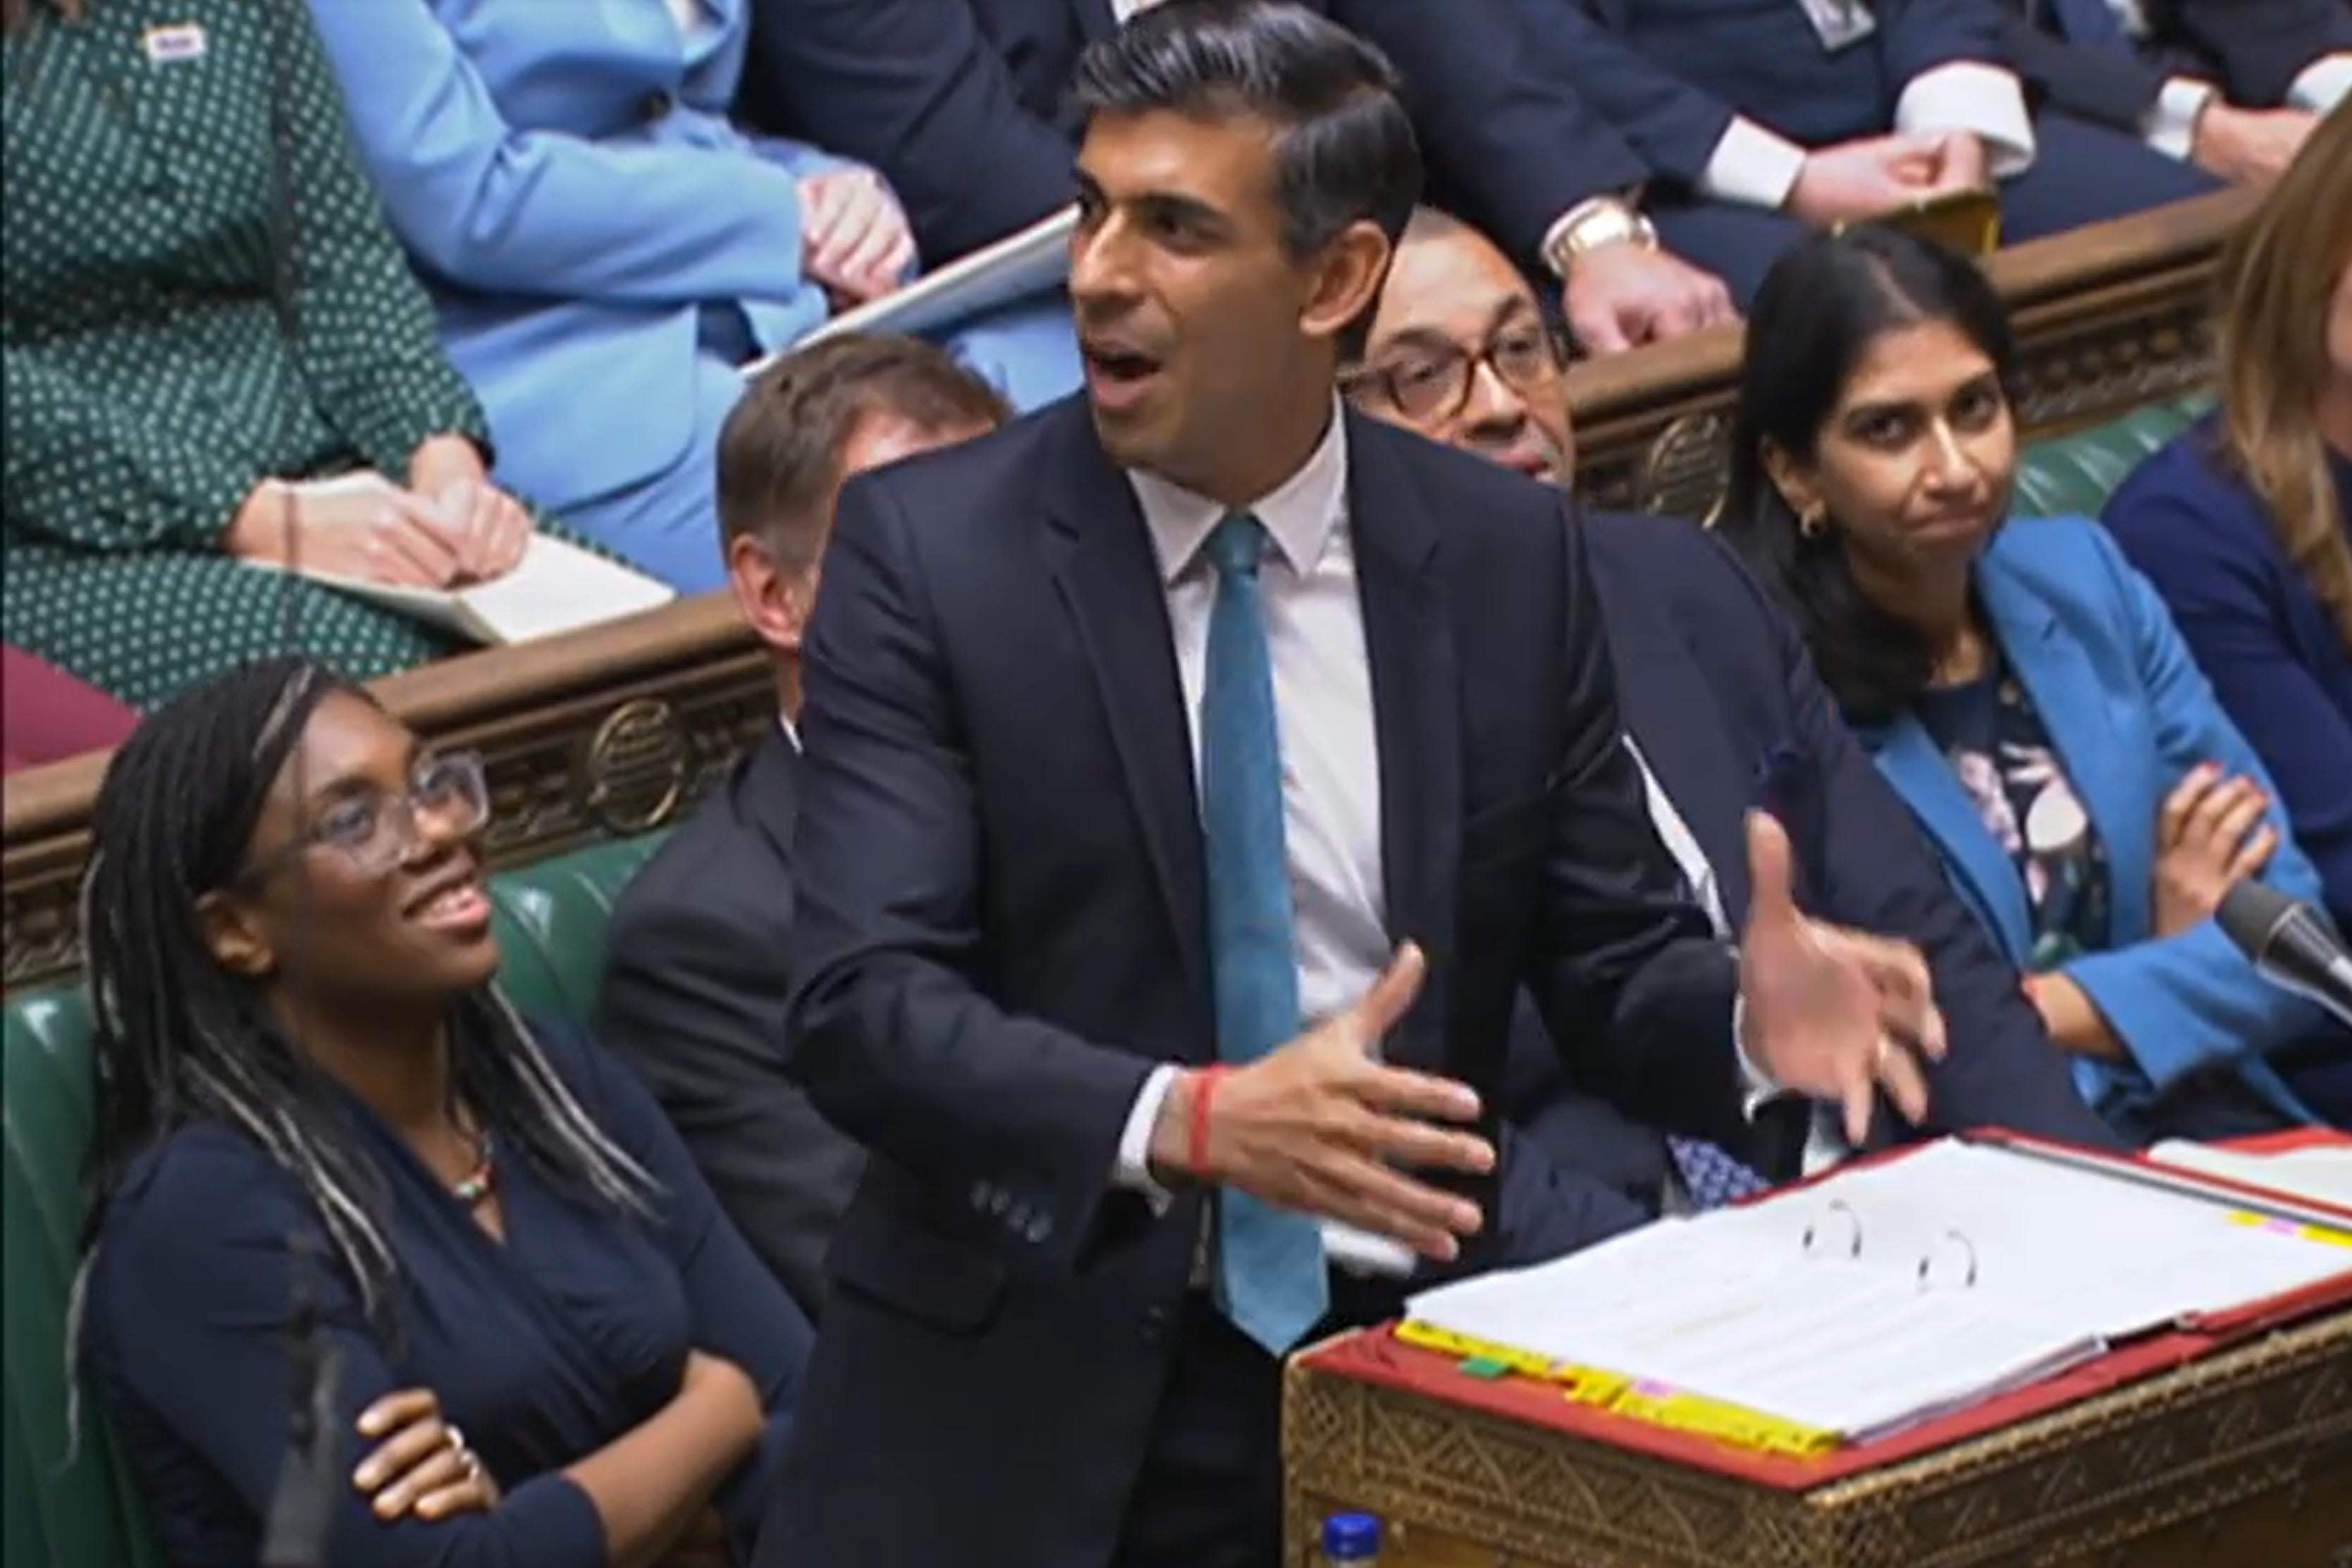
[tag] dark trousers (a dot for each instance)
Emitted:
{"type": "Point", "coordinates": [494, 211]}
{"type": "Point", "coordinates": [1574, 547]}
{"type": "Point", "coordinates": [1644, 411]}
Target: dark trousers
{"type": "Point", "coordinates": [2082, 173]}
{"type": "Point", "coordinates": [1210, 1495]}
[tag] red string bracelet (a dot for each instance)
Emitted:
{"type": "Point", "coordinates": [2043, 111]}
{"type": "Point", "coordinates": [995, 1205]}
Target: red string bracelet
{"type": "Point", "coordinates": [1205, 1088]}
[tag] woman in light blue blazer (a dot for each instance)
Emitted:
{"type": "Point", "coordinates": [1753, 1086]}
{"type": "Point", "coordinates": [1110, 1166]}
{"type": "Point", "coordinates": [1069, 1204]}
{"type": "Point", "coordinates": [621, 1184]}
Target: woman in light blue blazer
{"type": "Point", "coordinates": [606, 250]}
{"type": "Point", "coordinates": [2019, 685]}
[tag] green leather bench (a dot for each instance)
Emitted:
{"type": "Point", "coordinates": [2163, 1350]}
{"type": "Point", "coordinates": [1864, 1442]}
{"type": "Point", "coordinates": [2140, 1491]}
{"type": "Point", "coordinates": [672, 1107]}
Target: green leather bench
{"type": "Point", "coordinates": [552, 915]}
{"type": "Point", "coordinates": [75, 1509]}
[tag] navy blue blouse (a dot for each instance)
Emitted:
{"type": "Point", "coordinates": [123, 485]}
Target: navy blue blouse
{"type": "Point", "coordinates": [2276, 660]}
{"type": "Point", "coordinates": [543, 1348]}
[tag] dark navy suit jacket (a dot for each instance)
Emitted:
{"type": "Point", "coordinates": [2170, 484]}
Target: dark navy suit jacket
{"type": "Point", "coordinates": [2252, 49]}
{"type": "Point", "coordinates": [959, 102]}
{"type": "Point", "coordinates": [693, 995]}
{"type": "Point", "coordinates": [1001, 930]}
{"type": "Point", "coordinates": [2257, 629]}
{"type": "Point", "coordinates": [1669, 75]}
{"type": "Point", "coordinates": [1718, 692]}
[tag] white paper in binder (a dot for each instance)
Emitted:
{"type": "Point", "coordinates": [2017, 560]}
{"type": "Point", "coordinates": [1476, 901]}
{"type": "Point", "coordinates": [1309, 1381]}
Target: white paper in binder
{"type": "Point", "coordinates": [1890, 1294]}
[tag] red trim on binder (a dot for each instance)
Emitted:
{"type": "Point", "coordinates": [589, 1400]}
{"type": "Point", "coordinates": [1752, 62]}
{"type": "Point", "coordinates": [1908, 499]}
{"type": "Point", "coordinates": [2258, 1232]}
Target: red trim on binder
{"type": "Point", "coordinates": [1377, 1356]}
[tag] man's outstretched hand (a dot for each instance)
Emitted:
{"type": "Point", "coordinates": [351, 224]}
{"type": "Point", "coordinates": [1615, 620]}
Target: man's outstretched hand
{"type": "Point", "coordinates": [1832, 1014]}
{"type": "Point", "coordinates": [1321, 1127]}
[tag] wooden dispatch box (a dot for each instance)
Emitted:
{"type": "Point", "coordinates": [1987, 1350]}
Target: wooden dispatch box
{"type": "Point", "coordinates": [2241, 1458]}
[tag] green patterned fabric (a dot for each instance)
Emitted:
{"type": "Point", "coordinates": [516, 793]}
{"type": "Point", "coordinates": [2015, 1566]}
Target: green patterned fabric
{"type": "Point", "coordinates": [200, 292]}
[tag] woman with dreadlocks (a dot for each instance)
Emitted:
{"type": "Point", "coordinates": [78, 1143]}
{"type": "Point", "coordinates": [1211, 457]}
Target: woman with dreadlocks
{"type": "Point", "coordinates": [302, 1052]}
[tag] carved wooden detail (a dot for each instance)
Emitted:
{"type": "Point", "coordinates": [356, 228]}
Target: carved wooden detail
{"type": "Point", "coordinates": [2243, 1457]}
{"type": "Point", "coordinates": [620, 727]}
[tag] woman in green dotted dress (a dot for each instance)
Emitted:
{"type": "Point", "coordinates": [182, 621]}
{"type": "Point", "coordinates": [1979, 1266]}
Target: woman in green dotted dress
{"type": "Point", "coordinates": [214, 354]}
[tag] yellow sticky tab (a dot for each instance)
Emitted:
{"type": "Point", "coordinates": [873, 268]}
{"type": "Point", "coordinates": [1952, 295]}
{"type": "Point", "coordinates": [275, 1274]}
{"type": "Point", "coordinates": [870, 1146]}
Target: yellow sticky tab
{"type": "Point", "coordinates": [2326, 1234]}
{"type": "Point", "coordinates": [1625, 1395]}
{"type": "Point", "coordinates": [1734, 1423]}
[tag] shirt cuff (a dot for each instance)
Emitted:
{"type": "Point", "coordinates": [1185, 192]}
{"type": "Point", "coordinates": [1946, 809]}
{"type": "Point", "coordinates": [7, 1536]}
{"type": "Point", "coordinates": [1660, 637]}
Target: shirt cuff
{"type": "Point", "coordinates": [1984, 100]}
{"type": "Point", "coordinates": [2170, 126]}
{"type": "Point", "coordinates": [1751, 165]}
{"type": "Point", "coordinates": [2323, 84]}
{"type": "Point", "coordinates": [1757, 1088]}
{"type": "Point", "coordinates": [1133, 1168]}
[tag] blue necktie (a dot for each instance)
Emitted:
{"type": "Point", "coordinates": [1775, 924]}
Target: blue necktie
{"type": "Point", "coordinates": [1270, 1273]}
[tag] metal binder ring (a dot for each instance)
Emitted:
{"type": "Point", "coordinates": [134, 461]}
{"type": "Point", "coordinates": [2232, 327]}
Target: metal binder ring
{"type": "Point", "coordinates": [1927, 1259]}
{"type": "Point", "coordinates": [1853, 1226]}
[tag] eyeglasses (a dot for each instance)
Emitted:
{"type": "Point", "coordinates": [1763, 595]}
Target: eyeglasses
{"type": "Point", "coordinates": [1432, 382]}
{"type": "Point", "coordinates": [376, 831]}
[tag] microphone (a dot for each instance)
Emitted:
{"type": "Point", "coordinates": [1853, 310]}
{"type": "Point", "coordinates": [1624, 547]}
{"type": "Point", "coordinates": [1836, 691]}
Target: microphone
{"type": "Point", "coordinates": [2292, 945]}
{"type": "Point", "coordinates": [310, 1479]}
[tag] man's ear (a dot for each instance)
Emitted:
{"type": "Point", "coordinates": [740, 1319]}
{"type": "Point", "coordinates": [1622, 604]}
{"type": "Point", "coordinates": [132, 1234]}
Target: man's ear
{"type": "Point", "coordinates": [1348, 279]}
{"type": "Point", "coordinates": [773, 601]}
{"type": "Point", "coordinates": [234, 937]}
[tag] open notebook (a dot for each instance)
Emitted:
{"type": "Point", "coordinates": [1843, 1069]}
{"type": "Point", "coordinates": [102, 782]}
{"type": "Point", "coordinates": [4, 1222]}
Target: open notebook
{"type": "Point", "coordinates": [557, 586]}
{"type": "Point", "coordinates": [1025, 262]}
{"type": "Point", "coordinates": [1890, 1294]}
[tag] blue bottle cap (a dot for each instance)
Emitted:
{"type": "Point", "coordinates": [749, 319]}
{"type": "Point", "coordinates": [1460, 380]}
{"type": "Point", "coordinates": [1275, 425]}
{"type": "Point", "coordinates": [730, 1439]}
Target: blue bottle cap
{"type": "Point", "coordinates": [1351, 1537]}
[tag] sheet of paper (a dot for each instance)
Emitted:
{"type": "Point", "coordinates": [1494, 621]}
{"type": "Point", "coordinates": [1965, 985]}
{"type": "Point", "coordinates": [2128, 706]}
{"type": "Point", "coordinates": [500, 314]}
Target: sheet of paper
{"type": "Point", "coordinates": [559, 587]}
{"type": "Point", "coordinates": [1888, 1294]}
{"type": "Point", "coordinates": [556, 587]}
{"type": "Point", "coordinates": [1027, 262]}
{"type": "Point", "coordinates": [2322, 1173]}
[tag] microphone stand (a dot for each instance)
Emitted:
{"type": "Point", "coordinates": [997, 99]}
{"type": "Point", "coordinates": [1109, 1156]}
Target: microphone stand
{"type": "Point", "coordinates": [310, 1479]}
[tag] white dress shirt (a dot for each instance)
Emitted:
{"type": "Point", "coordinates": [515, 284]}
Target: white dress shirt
{"type": "Point", "coordinates": [1330, 763]}
{"type": "Point", "coordinates": [1330, 754]}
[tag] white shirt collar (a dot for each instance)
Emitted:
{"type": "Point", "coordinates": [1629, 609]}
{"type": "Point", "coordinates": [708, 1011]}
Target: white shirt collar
{"type": "Point", "coordinates": [1299, 514]}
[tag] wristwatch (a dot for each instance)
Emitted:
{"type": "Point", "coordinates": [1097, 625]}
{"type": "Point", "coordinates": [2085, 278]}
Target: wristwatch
{"type": "Point", "coordinates": [1592, 224]}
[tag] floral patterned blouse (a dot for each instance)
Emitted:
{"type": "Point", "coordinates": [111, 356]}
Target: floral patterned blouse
{"type": "Point", "coordinates": [1990, 731]}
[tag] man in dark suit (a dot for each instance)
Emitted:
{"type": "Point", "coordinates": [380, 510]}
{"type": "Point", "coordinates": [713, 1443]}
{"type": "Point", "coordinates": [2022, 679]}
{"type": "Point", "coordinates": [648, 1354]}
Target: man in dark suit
{"type": "Point", "coordinates": [1724, 708]}
{"type": "Point", "coordinates": [961, 104]}
{"type": "Point", "coordinates": [695, 978]}
{"type": "Point", "coordinates": [1766, 118]}
{"type": "Point", "coordinates": [1196, 773]}
{"type": "Point", "coordinates": [2234, 85]}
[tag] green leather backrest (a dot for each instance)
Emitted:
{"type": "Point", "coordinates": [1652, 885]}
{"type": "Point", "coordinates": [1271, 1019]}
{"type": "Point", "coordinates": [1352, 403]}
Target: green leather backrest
{"type": "Point", "coordinates": [2075, 474]}
{"type": "Point", "coordinates": [82, 1514]}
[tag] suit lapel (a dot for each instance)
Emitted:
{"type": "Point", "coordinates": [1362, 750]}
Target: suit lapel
{"type": "Point", "coordinates": [1924, 777]}
{"type": "Point", "coordinates": [1100, 552]}
{"type": "Point", "coordinates": [767, 792]}
{"type": "Point", "coordinates": [1416, 702]}
{"type": "Point", "coordinates": [1666, 704]}
{"type": "Point", "coordinates": [2073, 703]}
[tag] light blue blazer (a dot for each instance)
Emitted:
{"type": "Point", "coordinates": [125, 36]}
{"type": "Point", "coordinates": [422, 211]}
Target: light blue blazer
{"type": "Point", "coordinates": [2129, 713]}
{"type": "Point", "coordinates": [564, 176]}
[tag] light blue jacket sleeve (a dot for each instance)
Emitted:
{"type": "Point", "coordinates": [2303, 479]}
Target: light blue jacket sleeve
{"type": "Point", "coordinates": [2191, 1000]}
{"type": "Point", "coordinates": [495, 208]}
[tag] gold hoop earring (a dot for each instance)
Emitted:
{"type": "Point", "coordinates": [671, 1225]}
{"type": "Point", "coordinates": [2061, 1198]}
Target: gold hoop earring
{"type": "Point", "coordinates": [1813, 521]}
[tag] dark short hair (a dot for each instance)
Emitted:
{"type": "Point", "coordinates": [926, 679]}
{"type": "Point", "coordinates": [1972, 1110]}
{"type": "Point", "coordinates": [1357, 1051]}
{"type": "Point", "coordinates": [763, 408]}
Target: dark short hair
{"type": "Point", "coordinates": [1344, 148]}
{"type": "Point", "coordinates": [1815, 316]}
{"type": "Point", "coordinates": [780, 452]}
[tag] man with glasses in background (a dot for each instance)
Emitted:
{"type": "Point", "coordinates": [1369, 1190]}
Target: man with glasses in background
{"type": "Point", "coordinates": [1724, 714]}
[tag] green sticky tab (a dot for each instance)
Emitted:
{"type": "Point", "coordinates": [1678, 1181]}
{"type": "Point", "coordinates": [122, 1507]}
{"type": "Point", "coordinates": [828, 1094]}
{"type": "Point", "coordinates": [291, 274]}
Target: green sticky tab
{"type": "Point", "coordinates": [1485, 1366]}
